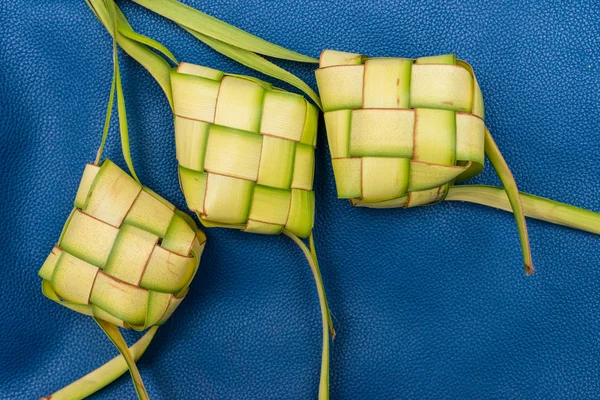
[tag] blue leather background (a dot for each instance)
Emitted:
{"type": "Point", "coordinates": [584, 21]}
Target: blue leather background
{"type": "Point", "coordinates": [429, 303]}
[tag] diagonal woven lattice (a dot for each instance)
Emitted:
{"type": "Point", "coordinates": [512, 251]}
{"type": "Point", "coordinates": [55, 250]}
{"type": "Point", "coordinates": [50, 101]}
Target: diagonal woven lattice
{"type": "Point", "coordinates": [245, 151]}
{"type": "Point", "coordinates": [125, 255]}
{"type": "Point", "coordinates": [400, 131]}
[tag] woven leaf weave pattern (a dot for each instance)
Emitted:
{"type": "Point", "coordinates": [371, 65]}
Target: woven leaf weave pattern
{"type": "Point", "coordinates": [125, 255]}
{"type": "Point", "coordinates": [245, 151]}
{"type": "Point", "coordinates": [400, 131]}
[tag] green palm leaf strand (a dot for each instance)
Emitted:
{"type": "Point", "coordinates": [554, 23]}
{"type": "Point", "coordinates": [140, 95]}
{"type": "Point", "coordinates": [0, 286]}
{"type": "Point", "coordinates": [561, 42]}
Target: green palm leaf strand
{"type": "Point", "coordinates": [233, 42]}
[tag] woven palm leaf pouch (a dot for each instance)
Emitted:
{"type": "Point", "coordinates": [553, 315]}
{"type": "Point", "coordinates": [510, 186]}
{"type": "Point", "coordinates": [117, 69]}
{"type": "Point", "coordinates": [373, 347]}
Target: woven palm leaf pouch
{"type": "Point", "coordinates": [402, 132]}
{"type": "Point", "coordinates": [245, 151]}
{"type": "Point", "coordinates": [246, 158]}
{"type": "Point", "coordinates": [126, 256]}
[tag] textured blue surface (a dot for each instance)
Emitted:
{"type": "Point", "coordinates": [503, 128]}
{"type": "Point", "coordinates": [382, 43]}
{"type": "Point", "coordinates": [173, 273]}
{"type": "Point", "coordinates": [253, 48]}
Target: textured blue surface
{"type": "Point", "coordinates": [428, 303]}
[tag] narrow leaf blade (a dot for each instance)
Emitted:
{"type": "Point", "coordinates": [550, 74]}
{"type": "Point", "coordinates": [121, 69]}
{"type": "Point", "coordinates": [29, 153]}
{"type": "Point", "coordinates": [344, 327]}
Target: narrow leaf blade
{"type": "Point", "coordinates": [220, 30]}
{"type": "Point", "coordinates": [257, 63]}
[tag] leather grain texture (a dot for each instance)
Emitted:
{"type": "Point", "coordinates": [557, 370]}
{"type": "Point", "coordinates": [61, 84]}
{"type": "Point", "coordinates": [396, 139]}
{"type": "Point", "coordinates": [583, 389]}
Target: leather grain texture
{"type": "Point", "coordinates": [429, 303]}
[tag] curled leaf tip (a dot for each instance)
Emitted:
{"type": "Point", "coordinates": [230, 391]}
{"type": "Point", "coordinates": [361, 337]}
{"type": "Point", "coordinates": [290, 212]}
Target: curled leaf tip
{"type": "Point", "coordinates": [529, 270]}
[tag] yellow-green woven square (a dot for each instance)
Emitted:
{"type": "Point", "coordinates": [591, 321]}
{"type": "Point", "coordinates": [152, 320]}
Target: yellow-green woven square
{"type": "Point", "coordinates": [125, 255]}
{"type": "Point", "coordinates": [400, 131]}
{"type": "Point", "coordinates": [237, 137]}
